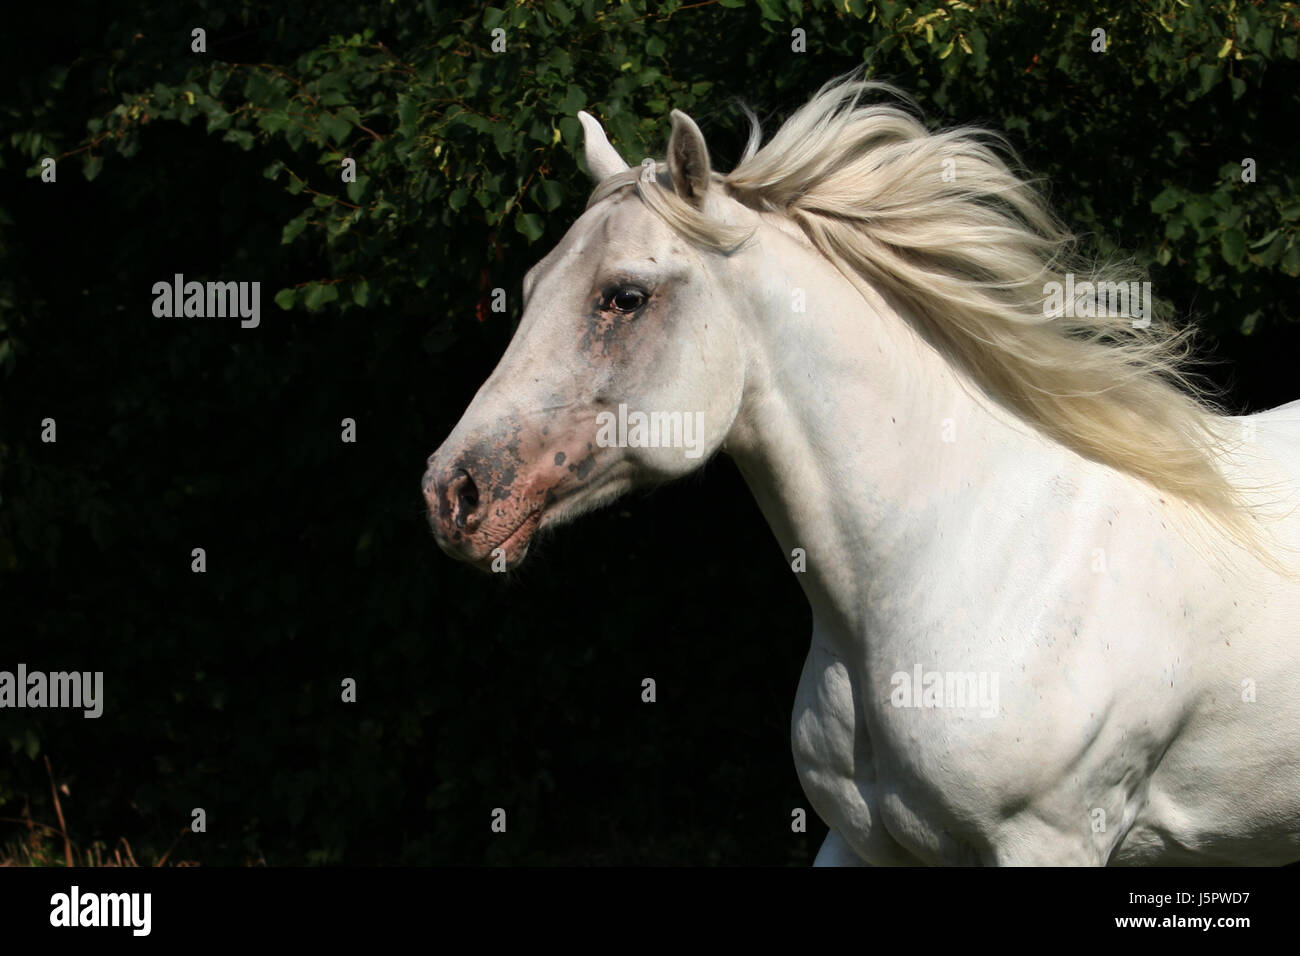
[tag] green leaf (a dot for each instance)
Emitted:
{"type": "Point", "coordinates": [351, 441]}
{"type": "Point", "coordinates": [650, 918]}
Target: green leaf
{"type": "Point", "coordinates": [240, 137]}
{"type": "Point", "coordinates": [550, 195]}
{"type": "Point", "coordinates": [361, 292]}
{"type": "Point", "coordinates": [575, 98]}
{"type": "Point", "coordinates": [1197, 209]}
{"type": "Point", "coordinates": [504, 138]}
{"type": "Point", "coordinates": [91, 166]}
{"type": "Point", "coordinates": [1167, 199]}
{"type": "Point", "coordinates": [1264, 240]}
{"type": "Point", "coordinates": [336, 128]}
{"type": "Point", "coordinates": [408, 112]}
{"type": "Point", "coordinates": [530, 225]}
{"type": "Point", "coordinates": [1264, 40]}
{"type": "Point", "coordinates": [357, 189]}
{"type": "Point", "coordinates": [1270, 256]}
{"type": "Point", "coordinates": [1233, 245]}
{"type": "Point", "coordinates": [273, 121]}
{"type": "Point", "coordinates": [979, 42]}
{"type": "Point", "coordinates": [218, 119]}
{"type": "Point", "coordinates": [570, 130]}
{"type": "Point", "coordinates": [1208, 75]}
{"type": "Point", "coordinates": [539, 131]}
{"type": "Point", "coordinates": [284, 298]}
{"type": "Point", "coordinates": [294, 227]}
{"type": "Point", "coordinates": [1290, 263]}
{"type": "Point", "coordinates": [318, 294]}
{"type": "Point", "coordinates": [560, 10]}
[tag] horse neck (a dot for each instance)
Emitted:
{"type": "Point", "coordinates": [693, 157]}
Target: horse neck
{"type": "Point", "coordinates": [858, 439]}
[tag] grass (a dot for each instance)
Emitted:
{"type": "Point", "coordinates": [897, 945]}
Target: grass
{"type": "Point", "coordinates": [47, 845]}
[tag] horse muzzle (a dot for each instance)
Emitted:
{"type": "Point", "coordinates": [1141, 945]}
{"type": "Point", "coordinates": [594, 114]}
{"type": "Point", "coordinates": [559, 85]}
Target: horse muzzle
{"type": "Point", "coordinates": [478, 515]}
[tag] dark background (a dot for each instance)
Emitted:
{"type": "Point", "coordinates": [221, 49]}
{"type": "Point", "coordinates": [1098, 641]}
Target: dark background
{"type": "Point", "coordinates": [475, 691]}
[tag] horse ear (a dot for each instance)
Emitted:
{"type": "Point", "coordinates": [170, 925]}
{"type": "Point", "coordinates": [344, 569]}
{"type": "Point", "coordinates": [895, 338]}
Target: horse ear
{"type": "Point", "coordinates": [688, 160]}
{"type": "Point", "coordinates": [602, 159]}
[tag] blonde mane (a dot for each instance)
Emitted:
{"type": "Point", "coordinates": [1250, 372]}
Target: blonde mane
{"type": "Point", "coordinates": [970, 253]}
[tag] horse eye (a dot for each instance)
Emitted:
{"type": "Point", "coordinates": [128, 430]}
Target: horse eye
{"type": "Point", "coordinates": [626, 301]}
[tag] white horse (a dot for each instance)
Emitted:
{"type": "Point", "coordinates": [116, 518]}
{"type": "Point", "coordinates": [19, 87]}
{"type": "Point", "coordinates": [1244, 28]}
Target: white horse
{"type": "Point", "coordinates": [1056, 601]}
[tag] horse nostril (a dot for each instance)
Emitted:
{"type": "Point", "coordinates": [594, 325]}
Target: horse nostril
{"type": "Point", "coordinates": [464, 498]}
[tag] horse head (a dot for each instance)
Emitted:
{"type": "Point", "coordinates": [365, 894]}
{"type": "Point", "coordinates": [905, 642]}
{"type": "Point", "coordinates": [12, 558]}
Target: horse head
{"type": "Point", "coordinates": [627, 367]}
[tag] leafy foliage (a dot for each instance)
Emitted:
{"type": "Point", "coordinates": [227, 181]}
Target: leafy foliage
{"type": "Point", "coordinates": [174, 434]}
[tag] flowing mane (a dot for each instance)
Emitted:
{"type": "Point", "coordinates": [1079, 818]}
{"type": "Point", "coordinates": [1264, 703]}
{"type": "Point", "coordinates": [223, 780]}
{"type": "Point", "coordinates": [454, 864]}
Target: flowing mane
{"type": "Point", "coordinates": [971, 253]}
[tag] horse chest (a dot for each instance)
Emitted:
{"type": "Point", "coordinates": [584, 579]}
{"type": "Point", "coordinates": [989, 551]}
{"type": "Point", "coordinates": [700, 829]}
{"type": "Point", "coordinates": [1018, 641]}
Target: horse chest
{"type": "Point", "coordinates": [922, 779]}
{"type": "Point", "coordinates": [836, 761]}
